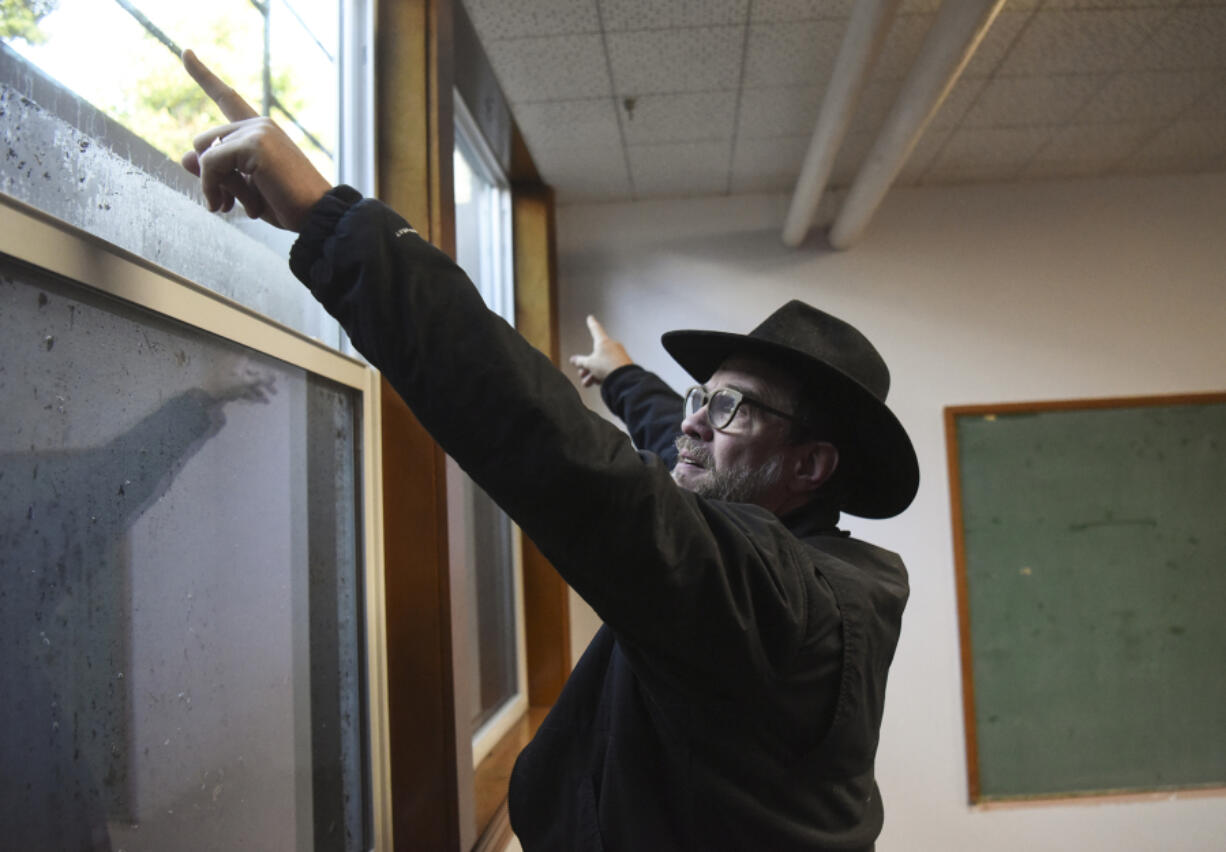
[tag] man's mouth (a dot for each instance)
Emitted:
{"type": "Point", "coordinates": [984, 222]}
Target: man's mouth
{"type": "Point", "coordinates": [694, 456]}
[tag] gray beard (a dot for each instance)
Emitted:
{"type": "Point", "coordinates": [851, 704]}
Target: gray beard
{"type": "Point", "coordinates": [739, 485]}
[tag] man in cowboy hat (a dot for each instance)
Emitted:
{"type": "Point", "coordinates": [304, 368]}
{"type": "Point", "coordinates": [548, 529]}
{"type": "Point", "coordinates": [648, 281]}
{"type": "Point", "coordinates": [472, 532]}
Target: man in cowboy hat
{"type": "Point", "coordinates": [733, 698]}
{"type": "Point", "coordinates": [791, 419]}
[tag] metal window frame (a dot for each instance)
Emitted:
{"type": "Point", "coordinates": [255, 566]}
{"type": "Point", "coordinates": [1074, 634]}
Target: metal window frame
{"type": "Point", "coordinates": [35, 238]}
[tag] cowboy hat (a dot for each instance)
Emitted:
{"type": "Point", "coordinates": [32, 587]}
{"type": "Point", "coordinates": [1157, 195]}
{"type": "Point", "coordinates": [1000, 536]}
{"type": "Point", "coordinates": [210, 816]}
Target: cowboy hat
{"type": "Point", "coordinates": [832, 357]}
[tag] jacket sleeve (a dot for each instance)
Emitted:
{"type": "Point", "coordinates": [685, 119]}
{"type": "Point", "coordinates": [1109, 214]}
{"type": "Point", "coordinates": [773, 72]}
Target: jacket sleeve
{"type": "Point", "coordinates": [651, 410]}
{"type": "Point", "coordinates": [705, 589]}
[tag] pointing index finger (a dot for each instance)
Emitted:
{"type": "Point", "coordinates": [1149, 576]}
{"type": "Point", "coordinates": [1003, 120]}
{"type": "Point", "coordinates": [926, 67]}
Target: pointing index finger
{"type": "Point", "coordinates": [597, 330]}
{"type": "Point", "coordinates": [231, 103]}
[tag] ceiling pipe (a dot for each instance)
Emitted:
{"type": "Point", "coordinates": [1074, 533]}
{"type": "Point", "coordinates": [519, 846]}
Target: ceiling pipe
{"type": "Point", "coordinates": [866, 31]}
{"type": "Point", "coordinates": [959, 28]}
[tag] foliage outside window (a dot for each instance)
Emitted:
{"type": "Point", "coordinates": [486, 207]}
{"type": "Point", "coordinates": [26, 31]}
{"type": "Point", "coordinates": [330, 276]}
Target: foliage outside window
{"type": "Point", "coordinates": [121, 56]}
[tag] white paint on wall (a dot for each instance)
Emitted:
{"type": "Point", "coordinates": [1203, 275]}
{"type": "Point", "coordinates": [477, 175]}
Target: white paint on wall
{"type": "Point", "coordinates": [973, 294]}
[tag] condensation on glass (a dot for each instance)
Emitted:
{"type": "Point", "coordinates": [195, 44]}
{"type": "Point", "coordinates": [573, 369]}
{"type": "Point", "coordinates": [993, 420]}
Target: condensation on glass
{"type": "Point", "coordinates": [180, 597]}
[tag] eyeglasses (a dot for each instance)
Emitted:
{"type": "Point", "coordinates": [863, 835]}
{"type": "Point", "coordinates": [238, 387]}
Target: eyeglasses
{"type": "Point", "coordinates": [723, 404]}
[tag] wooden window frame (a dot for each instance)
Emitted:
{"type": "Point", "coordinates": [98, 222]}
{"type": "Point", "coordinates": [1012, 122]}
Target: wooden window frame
{"type": "Point", "coordinates": [424, 48]}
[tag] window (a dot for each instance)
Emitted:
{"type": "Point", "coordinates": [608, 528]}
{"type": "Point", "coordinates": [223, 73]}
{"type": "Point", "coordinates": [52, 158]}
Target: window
{"type": "Point", "coordinates": [485, 543]}
{"type": "Point", "coordinates": [281, 54]}
{"type": "Point", "coordinates": [192, 650]}
{"type": "Point", "coordinates": [185, 647]}
{"type": "Point", "coordinates": [97, 143]}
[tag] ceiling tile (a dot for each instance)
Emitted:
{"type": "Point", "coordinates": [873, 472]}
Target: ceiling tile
{"type": "Point", "coordinates": [1185, 146]}
{"type": "Point", "coordinates": [554, 68]}
{"type": "Point", "coordinates": [910, 7]}
{"type": "Point", "coordinates": [778, 111]}
{"type": "Point", "coordinates": [902, 45]}
{"type": "Point", "coordinates": [995, 45]}
{"type": "Point", "coordinates": [1212, 103]}
{"type": "Point", "coordinates": [495, 19]}
{"type": "Point", "coordinates": [654, 15]}
{"type": "Point", "coordinates": [880, 97]}
{"type": "Point", "coordinates": [1079, 42]}
{"type": "Point", "coordinates": [685, 169]}
{"type": "Point", "coordinates": [676, 60]}
{"type": "Point", "coordinates": [1085, 149]}
{"type": "Point", "coordinates": [851, 155]}
{"type": "Point", "coordinates": [792, 54]}
{"type": "Point", "coordinates": [588, 189]}
{"type": "Point", "coordinates": [767, 165]}
{"type": "Point", "coordinates": [876, 101]}
{"type": "Point", "coordinates": [922, 156]}
{"type": "Point", "coordinates": [1193, 37]}
{"type": "Point", "coordinates": [568, 124]}
{"type": "Point", "coordinates": [1052, 170]}
{"type": "Point", "coordinates": [585, 174]}
{"type": "Point", "coordinates": [1021, 101]}
{"type": "Point", "coordinates": [1141, 95]}
{"type": "Point", "coordinates": [686, 117]}
{"type": "Point", "coordinates": [960, 99]}
{"type": "Point", "coordinates": [775, 11]}
{"type": "Point", "coordinates": [1111, 4]}
{"type": "Point", "coordinates": [986, 153]}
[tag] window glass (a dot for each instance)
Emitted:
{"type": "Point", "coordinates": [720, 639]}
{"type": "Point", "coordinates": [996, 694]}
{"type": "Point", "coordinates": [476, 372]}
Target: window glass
{"type": "Point", "coordinates": [180, 621]}
{"type": "Point", "coordinates": [281, 55]}
{"type": "Point", "coordinates": [492, 611]}
{"type": "Point", "coordinates": [95, 111]}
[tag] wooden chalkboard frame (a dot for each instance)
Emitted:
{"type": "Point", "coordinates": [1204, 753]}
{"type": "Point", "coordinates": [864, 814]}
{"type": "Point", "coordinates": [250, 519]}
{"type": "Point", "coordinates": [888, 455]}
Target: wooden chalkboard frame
{"type": "Point", "coordinates": [952, 414]}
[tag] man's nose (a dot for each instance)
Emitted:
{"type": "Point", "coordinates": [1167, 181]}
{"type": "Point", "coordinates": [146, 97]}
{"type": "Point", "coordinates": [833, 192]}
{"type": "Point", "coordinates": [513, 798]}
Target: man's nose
{"type": "Point", "coordinates": [698, 426]}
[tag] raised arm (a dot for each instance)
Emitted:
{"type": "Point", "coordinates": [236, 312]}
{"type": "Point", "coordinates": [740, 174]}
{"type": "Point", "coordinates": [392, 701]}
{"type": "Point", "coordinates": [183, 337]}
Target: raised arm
{"type": "Point", "coordinates": [671, 573]}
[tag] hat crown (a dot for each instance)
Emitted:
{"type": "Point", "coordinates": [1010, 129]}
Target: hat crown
{"type": "Point", "coordinates": [818, 335]}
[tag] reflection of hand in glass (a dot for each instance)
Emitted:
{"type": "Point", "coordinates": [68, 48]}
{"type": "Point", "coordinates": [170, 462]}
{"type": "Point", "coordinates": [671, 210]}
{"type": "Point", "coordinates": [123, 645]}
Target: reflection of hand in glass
{"type": "Point", "coordinates": [66, 613]}
{"type": "Point", "coordinates": [237, 377]}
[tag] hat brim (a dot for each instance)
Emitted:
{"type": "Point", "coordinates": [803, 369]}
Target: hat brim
{"type": "Point", "coordinates": [875, 449]}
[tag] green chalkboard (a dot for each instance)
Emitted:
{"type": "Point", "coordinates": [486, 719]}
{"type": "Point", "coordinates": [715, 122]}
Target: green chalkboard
{"type": "Point", "coordinates": [1091, 546]}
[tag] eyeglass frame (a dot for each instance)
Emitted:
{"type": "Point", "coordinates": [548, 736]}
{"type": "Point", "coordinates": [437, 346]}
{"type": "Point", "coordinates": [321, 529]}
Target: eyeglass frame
{"type": "Point", "coordinates": [738, 397]}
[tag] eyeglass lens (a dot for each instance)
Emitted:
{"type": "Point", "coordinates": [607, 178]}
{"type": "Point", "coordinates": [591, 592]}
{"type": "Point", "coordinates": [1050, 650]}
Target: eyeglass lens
{"type": "Point", "coordinates": [695, 398]}
{"type": "Point", "coordinates": [721, 405]}
{"type": "Point", "coordinates": [721, 408]}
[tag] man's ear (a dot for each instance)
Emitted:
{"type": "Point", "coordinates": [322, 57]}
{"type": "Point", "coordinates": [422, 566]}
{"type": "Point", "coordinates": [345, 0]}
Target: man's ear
{"type": "Point", "coordinates": [814, 464]}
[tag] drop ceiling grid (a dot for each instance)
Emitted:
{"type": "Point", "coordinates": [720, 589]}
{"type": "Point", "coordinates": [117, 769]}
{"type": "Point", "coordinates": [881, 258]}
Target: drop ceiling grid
{"type": "Point", "coordinates": [734, 86]}
{"type": "Point", "coordinates": [619, 15]}
{"type": "Point", "coordinates": [1065, 67]}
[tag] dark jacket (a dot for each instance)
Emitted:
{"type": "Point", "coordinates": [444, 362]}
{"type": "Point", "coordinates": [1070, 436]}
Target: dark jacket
{"type": "Point", "coordinates": [734, 698]}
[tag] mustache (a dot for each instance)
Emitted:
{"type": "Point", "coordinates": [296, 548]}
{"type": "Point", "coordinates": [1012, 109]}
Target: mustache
{"type": "Point", "coordinates": [693, 450]}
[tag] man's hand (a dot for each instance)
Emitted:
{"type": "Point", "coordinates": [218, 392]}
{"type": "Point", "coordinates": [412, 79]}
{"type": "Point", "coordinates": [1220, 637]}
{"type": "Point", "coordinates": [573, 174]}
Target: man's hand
{"type": "Point", "coordinates": [607, 355]}
{"type": "Point", "coordinates": [250, 160]}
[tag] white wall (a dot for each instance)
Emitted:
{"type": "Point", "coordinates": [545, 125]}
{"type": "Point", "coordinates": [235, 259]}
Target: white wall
{"type": "Point", "coordinates": [973, 294]}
